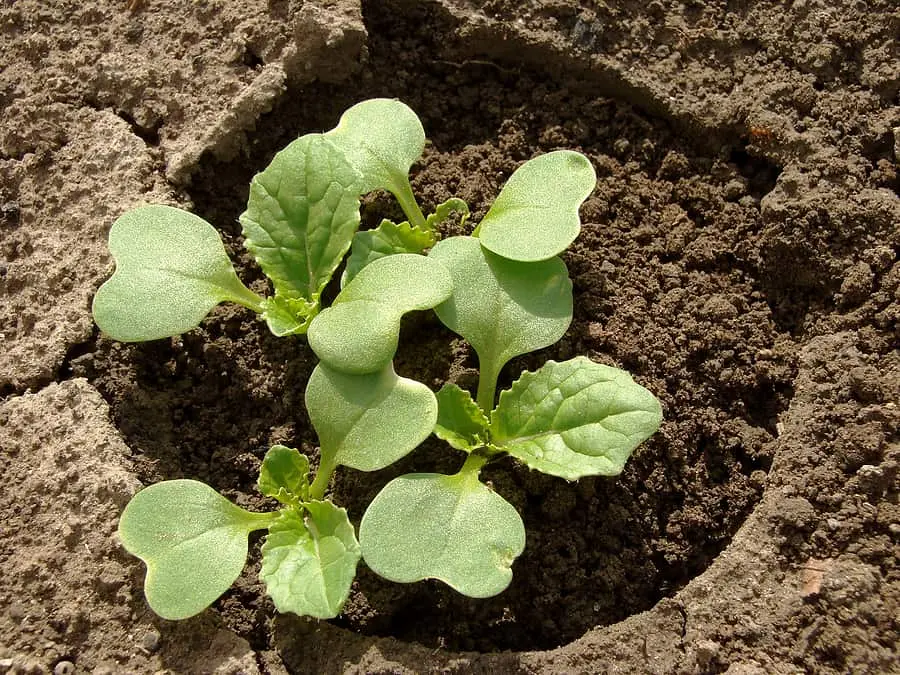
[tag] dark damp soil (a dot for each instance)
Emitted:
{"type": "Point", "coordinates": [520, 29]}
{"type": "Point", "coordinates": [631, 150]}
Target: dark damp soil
{"type": "Point", "coordinates": [667, 283]}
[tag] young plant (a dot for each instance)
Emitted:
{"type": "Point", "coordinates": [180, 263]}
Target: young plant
{"type": "Point", "coordinates": [302, 216]}
{"type": "Point", "coordinates": [194, 541]}
{"type": "Point", "coordinates": [504, 289]}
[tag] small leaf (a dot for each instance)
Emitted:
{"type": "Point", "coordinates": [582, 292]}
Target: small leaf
{"type": "Point", "coordinates": [171, 270]}
{"type": "Point", "coordinates": [460, 421]}
{"type": "Point", "coordinates": [368, 422]}
{"type": "Point", "coordinates": [451, 528]}
{"type": "Point", "coordinates": [575, 418]}
{"type": "Point", "coordinates": [289, 316]}
{"type": "Point", "coordinates": [535, 216]}
{"type": "Point", "coordinates": [501, 307]}
{"type": "Point", "coordinates": [308, 567]}
{"type": "Point", "coordinates": [358, 334]}
{"type": "Point", "coordinates": [300, 218]}
{"type": "Point", "coordinates": [193, 541]}
{"type": "Point", "coordinates": [284, 475]}
{"type": "Point", "coordinates": [443, 210]}
{"type": "Point", "coordinates": [386, 239]}
{"type": "Point", "coordinates": [381, 138]}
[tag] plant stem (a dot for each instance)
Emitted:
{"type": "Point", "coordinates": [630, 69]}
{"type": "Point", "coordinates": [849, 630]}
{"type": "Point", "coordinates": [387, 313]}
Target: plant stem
{"type": "Point", "coordinates": [244, 296]}
{"type": "Point", "coordinates": [473, 463]}
{"type": "Point", "coordinates": [487, 386]}
{"type": "Point", "coordinates": [410, 206]}
{"type": "Point", "coordinates": [262, 520]}
{"type": "Point", "coordinates": [323, 477]}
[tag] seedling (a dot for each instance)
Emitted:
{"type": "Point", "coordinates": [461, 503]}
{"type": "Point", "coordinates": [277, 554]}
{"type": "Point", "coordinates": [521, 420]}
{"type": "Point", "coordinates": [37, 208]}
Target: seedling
{"type": "Point", "coordinates": [504, 289]}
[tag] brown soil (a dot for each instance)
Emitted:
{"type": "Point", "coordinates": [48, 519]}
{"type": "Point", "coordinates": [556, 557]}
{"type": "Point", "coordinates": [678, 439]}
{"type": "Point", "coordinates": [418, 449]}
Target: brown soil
{"type": "Point", "coordinates": [739, 257]}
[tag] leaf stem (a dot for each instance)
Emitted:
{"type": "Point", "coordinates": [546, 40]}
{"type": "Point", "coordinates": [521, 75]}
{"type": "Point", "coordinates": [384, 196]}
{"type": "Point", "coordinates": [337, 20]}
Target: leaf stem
{"type": "Point", "coordinates": [323, 477]}
{"type": "Point", "coordinates": [260, 521]}
{"type": "Point", "coordinates": [244, 296]}
{"type": "Point", "coordinates": [487, 386]}
{"type": "Point", "coordinates": [473, 463]}
{"type": "Point", "coordinates": [410, 206]}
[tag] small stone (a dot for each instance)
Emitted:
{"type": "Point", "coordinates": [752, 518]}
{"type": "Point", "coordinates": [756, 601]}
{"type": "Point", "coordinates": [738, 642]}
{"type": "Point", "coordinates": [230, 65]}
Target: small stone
{"type": "Point", "coordinates": [64, 668]}
{"type": "Point", "coordinates": [150, 641]}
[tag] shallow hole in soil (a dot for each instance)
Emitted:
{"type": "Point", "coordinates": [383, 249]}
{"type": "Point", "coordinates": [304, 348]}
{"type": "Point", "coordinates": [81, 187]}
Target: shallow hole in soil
{"type": "Point", "coordinates": [665, 286]}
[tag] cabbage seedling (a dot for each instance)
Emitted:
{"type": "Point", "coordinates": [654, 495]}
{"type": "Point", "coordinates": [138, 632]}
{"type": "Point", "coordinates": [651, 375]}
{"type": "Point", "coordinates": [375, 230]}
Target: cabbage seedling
{"type": "Point", "coordinates": [504, 289]}
{"type": "Point", "coordinates": [194, 541]}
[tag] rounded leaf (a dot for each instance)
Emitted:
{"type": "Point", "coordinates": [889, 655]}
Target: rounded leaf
{"type": "Point", "coordinates": [171, 270]}
{"type": "Point", "coordinates": [451, 528]}
{"type": "Point", "coordinates": [368, 422]}
{"type": "Point", "coordinates": [358, 334]}
{"type": "Point", "coordinates": [501, 307]}
{"type": "Point", "coordinates": [193, 541]}
{"type": "Point", "coordinates": [535, 216]}
{"type": "Point", "coordinates": [381, 138]}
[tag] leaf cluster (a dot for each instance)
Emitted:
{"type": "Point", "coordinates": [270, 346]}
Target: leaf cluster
{"type": "Point", "coordinates": [504, 289]}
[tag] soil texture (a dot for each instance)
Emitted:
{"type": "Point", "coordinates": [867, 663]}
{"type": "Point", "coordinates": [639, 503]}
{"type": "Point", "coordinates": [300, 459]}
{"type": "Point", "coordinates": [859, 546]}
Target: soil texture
{"type": "Point", "coordinates": [740, 256]}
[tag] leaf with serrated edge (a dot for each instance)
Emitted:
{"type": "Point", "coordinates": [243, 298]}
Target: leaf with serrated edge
{"type": "Point", "coordinates": [358, 334]}
{"type": "Point", "coordinates": [443, 210]}
{"type": "Point", "coordinates": [381, 138]}
{"type": "Point", "coordinates": [575, 418]}
{"type": "Point", "coordinates": [284, 475]}
{"type": "Point", "coordinates": [308, 566]}
{"type": "Point", "coordinates": [387, 239]}
{"type": "Point", "coordinates": [171, 270]}
{"type": "Point", "coordinates": [368, 422]}
{"type": "Point", "coordinates": [193, 541]}
{"type": "Point", "coordinates": [289, 316]}
{"type": "Point", "coordinates": [535, 216]}
{"type": "Point", "coordinates": [301, 216]}
{"type": "Point", "coordinates": [451, 528]}
{"type": "Point", "coordinates": [501, 307]}
{"type": "Point", "coordinates": [460, 421]}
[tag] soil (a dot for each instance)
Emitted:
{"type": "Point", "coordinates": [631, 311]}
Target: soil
{"type": "Point", "coordinates": [740, 257]}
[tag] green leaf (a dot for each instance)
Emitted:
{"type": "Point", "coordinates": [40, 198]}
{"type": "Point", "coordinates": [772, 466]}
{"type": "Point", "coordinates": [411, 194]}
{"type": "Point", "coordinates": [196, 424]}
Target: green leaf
{"type": "Point", "coordinates": [289, 316]}
{"type": "Point", "coordinates": [193, 541]}
{"type": "Point", "coordinates": [284, 475]}
{"type": "Point", "coordinates": [443, 210]}
{"type": "Point", "coordinates": [460, 421]}
{"type": "Point", "coordinates": [451, 528]}
{"type": "Point", "coordinates": [308, 566]}
{"type": "Point", "coordinates": [300, 218]}
{"type": "Point", "coordinates": [535, 216]}
{"type": "Point", "coordinates": [381, 138]}
{"type": "Point", "coordinates": [575, 418]}
{"type": "Point", "coordinates": [358, 334]}
{"type": "Point", "coordinates": [501, 307]}
{"type": "Point", "coordinates": [171, 270]}
{"type": "Point", "coordinates": [387, 239]}
{"type": "Point", "coordinates": [368, 422]}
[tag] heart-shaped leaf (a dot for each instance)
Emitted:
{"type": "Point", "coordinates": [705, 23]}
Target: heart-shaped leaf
{"type": "Point", "coordinates": [284, 475]}
{"type": "Point", "coordinates": [501, 307]}
{"type": "Point", "coordinates": [171, 270]}
{"type": "Point", "coordinates": [308, 565]}
{"type": "Point", "coordinates": [460, 421]}
{"type": "Point", "coordinates": [535, 216]}
{"type": "Point", "coordinates": [575, 418]}
{"type": "Point", "coordinates": [381, 138]}
{"type": "Point", "coordinates": [451, 528]}
{"type": "Point", "coordinates": [387, 239]}
{"type": "Point", "coordinates": [358, 334]}
{"type": "Point", "coordinates": [301, 216]}
{"type": "Point", "coordinates": [193, 541]}
{"type": "Point", "coordinates": [368, 422]}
